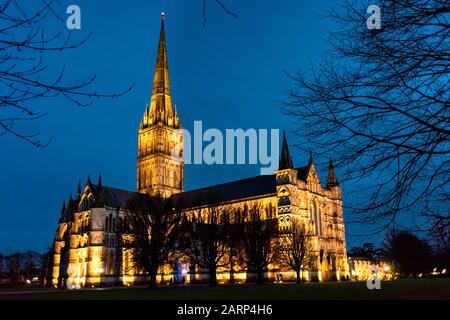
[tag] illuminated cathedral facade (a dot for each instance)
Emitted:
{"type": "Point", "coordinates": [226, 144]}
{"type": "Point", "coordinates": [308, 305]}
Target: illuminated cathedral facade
{"type": "Point", "coordinates": [87, 247]}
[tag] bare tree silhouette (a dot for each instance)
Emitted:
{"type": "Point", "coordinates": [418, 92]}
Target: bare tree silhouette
{"type": "Point", "coordinates": [295, 245]}
{"type": "Point", "coordinates": [379, 102]}
{"type": "Point", "coordinates": [209, 231]}
{"type": "Point", "coordinates": [222, 5]}
{"type": "Point", "coordinates": [258, 240]}
{"type": "Point", "coordinates": [25, 76]}
{"type": "Point", "coordinates": [151, 224]}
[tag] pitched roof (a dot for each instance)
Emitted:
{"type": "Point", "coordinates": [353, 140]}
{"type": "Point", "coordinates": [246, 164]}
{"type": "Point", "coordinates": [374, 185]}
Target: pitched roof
{"type": "Point", "coordinates": [250, 187]}
{"type": "Point", "coordinates": [233, 190]}
{"type": "Point", "coordinates": [116, 198]}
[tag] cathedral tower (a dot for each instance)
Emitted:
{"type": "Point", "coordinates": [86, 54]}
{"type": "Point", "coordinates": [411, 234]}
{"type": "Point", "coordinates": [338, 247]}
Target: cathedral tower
{"type": "Point", "coordinates": [160, 163]}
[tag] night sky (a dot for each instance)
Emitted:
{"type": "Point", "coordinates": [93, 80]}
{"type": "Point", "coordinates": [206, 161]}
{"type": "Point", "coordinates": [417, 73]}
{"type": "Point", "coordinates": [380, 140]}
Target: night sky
{"type": "Point", "coordinates": [229, 74]}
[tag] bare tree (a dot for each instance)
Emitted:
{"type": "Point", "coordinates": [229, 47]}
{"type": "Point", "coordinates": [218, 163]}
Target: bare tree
{"type": "Point", "coordinates": [209, 231]}
{"type": "Point", "coordinates": [46, 270]}
{"type": "Point", "coordinates": [295, 245]}
{"type": "Point", "coordinates": [259, 240]}
{"type": "Point", "coordinates": [32, 263]}
{"type": "Point", "coordinates": [26, 47]}
{"type": "Point", "coordinates": [14, 266]}
{"type": "Point", "coordinates": [222, 5]}
{"type": "Point", "coordinates": [152, 224]}
{"type": "Point", "coordinates": [441, 246]}
{"type": "Point", "coordinates": [379, 102]}
{"type": "Point", "coordinates": [368, 251]}
{"type": "Point", "coordinates": [411, 255]}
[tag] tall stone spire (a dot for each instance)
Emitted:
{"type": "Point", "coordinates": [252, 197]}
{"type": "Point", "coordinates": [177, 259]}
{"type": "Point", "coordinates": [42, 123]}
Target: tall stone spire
{"type": "Point", "coordinates": [285, 157]}
{"type": "Point", "coordinates": [332, 180]}
{"type": "Point", "coordinates": [160, 165]}
{"type": "Point", "coordinates": [161, 102]}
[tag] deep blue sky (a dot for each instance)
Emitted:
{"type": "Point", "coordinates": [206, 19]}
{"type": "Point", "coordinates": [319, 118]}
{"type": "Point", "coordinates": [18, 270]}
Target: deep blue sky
{"type": "Point", "coordinates": [227, 74]}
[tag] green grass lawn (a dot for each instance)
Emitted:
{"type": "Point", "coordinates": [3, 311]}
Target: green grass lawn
{"type": "Point", "coordinates": [397, 289]}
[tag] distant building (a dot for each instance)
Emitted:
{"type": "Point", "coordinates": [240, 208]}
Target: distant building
{"type": "Point", "coordinates": [363, 268]}
{"type": "Point", "coordinates": [87, 246]}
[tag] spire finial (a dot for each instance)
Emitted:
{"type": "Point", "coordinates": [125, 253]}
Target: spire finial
{"type": "Point", "coordinates": [163, 15]}
{"type": "Point", "coordinates": [89, 183]}
{"type": "Point", "coordinates": [310, 162]}
{"type": "Point", "coordinates": [285, 158]}
{"type": "Point", "coordinates": [99, 193]}
{"type": "Point", "coordinates": [63, 207]}
{"type": "Point", "coordinates": [161, 102]}
{"type": "Point", "coordinates": [332, 180]}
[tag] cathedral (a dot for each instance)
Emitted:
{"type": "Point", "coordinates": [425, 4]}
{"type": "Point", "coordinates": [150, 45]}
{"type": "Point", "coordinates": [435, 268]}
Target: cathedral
{"type": "Point", "coordinates": [87, 245]}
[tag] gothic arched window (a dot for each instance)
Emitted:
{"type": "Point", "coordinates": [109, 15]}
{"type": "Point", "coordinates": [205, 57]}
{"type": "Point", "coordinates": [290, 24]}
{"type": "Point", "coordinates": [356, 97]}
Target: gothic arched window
{"type": "Point", "coordinates": [90, 201]}
{"type": "Point", "coordinates": [111, 262]}
{"type": "Point", "coordinates": [108, 223]}
{"type": "Point", "coordinates": [271, 210]}
{"type": "Point", "coordinates": [317, 220]}
{"type": "Point", "coordinates": [237, 216]}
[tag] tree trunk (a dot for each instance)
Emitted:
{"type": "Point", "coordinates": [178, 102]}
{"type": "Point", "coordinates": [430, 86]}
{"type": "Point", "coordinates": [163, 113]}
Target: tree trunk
{"type": "Point", "coordinates": [231, 266]}
{"type": "Point", "coordinates": [152, 282]}
{"type": "Point", "coordinates": [231, 275]}
{"type": "Point", "coordinates": [299, 279]}
{"type": "Point", "coordinates": [153, 272]}
{"type": "Point", "coordinates": [260, 276]}
{"type": "Point", "coordinates": [212, 276]}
